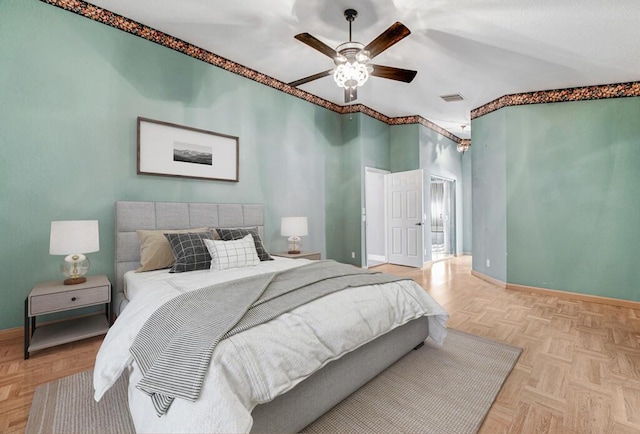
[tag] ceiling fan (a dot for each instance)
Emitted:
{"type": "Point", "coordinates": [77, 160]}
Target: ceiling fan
{"type": "Point", "coordinates": [352, 59]}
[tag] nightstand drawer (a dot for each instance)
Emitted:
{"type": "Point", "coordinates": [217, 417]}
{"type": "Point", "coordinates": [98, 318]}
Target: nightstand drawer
{"type": "Point", "coordinates": [47, 303]}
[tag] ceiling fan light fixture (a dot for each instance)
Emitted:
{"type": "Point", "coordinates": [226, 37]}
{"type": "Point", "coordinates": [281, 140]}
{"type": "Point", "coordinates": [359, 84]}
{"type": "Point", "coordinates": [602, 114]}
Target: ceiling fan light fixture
{"type": "Point", "coordinates": [351, 65]}
{"type": "Point", "coordinates": [351, 74]}
{"type": "Point", "coordinates": [362, 56]}
{"type": "Point", "coordinates": [464, 145]}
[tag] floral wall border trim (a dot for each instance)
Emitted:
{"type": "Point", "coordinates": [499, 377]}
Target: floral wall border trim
{"type": "Point", "coordinates": [604, 91]}
{"type": "Point", "coordinates": [120, 22]}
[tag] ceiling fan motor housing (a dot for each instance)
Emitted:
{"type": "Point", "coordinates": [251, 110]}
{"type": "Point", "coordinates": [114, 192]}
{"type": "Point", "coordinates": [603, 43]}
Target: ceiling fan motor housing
{"type": "Point", "coordinates": [350, 52]}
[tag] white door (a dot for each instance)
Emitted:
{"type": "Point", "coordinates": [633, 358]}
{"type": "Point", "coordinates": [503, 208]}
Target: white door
{"type": "Point", "coordinates": [404, 199]}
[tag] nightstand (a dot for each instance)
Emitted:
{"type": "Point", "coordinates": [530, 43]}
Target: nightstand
{"type": "Point", "coordinates": [55, 296]}
{"type": "Point", "coordinates": [306, 255]}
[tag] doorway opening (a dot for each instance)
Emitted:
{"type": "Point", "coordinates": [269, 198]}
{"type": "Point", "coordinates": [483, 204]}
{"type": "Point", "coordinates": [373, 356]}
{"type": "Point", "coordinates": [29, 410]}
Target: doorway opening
{"type": "Point", "coordinates": [393, 216]}
{"type": "Point", "coordinates": [443, 218]}
{"type": "Point", "coordinates": [375, 217]}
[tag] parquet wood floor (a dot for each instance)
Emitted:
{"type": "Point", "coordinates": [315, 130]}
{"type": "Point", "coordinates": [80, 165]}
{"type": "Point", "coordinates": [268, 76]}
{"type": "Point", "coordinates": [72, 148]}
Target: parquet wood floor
{"type": "Point", "coordinates": [579, 372]}
{"type": "Point", "coordinates": [19, 378]}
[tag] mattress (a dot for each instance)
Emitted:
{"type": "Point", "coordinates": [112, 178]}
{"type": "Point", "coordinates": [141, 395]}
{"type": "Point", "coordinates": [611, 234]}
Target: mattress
{"type": "Point", "coordinates": [159, 280]}
{"type": "Point", "coordinates": [276, 355]}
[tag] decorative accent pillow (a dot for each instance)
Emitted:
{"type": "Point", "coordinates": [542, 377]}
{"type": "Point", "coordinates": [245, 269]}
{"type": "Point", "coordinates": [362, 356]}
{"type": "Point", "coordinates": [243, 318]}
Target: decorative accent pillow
{"type": "Point", "coordinates": [189, 251]}
{"type": "Point", "coordinates": [239, 233]}
{"type": "Point", "coordinates": [232, 254]}
{"type": "Point", "coordinates": [155, 251]}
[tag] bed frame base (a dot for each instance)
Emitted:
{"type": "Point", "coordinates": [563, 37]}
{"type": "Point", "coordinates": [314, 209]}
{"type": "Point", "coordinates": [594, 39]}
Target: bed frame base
{"type": "Point", "coordinates": [316, 395]}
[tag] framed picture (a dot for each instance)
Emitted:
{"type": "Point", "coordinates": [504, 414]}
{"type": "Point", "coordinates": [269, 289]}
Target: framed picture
{"type": "Point", "coordinates": [167, 149]}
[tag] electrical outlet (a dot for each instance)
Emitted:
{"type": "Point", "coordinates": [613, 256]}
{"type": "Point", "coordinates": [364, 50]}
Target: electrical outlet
{"type": "Point", "coordinates": [488, 263]}
{"type": "Point", "coordinates": [353, 254]}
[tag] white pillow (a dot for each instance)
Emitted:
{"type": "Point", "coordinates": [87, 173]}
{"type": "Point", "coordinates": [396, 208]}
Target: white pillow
{"type": "Point", "coordinates": [232, 254]}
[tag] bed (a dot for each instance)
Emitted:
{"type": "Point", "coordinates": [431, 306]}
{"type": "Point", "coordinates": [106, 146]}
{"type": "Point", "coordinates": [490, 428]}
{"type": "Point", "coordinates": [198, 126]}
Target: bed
{"type": "Point", "coordinates": [291, 401]}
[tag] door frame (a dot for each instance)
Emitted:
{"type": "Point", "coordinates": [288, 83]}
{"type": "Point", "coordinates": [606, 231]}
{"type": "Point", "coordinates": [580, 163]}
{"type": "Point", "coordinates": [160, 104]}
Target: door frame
{"type": "Point", "coordinates": [453, 227]}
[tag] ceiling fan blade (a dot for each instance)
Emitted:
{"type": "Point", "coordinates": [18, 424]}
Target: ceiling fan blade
{"type": "Point", "coordinates": [311, 78]}
{"type": "Point", "coordinates": [392, 35]}
{"type": "Point", "coordinates": [350, 94]}
{"type": "Point", "coordinates": [316, 43]}
{"type": "Point", "coordinates": [392, 73]}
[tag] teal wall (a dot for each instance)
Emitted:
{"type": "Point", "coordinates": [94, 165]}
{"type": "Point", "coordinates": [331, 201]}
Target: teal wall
{"type": "Point", "coordinates": [489, 195]}
{"type": "Point", "coordinates": [71, 90]}
{"type": "Point", "coordinates": [404, 147]}
{"type": "Point", "coordinates": [374, 139]}
{"type": "Point", "coordinates": [467, 220]}
{"type": "Point", "coordinates": [348, 190]}
{"type": "Point", "coordinates": [364, 142]}
{"type": "Point", "coordinates": [375, 152]}
{"type": "Point", "coordinates": [571, 195]}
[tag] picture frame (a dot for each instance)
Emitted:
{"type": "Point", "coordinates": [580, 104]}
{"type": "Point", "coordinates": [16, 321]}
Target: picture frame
{"type": "Point", "coordinates": [166, 149]}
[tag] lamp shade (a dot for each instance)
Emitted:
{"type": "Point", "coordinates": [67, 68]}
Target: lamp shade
{"type": "Point", "coordinates": [74, 236]}
{"type": "Point", "coordinates": [294, 226]}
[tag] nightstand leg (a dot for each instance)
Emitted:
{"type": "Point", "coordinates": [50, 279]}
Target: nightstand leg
{"type": "Point", "coordinates": [27, 331]}
{"type": "Point", "coordinates": [108, 313]}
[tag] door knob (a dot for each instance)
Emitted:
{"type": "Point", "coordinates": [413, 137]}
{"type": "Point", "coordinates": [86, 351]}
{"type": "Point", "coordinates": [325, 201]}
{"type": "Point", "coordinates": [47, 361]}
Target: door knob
{"type": "Point", "coordinates": [419, 224]}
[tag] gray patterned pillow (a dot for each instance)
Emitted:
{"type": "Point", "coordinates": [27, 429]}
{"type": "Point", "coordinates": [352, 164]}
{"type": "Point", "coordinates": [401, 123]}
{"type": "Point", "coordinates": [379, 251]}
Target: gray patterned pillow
{"type": "Point", "coordinates": [240, 233]}
{"type": "Point", "coordinates": [189, 251]}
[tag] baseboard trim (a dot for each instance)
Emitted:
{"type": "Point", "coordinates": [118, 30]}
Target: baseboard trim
{"type": "Point", "coordinates": [12, 333]}
{"type": "Point", "coordinates": [489, 279]}
{"type": "Point", "coordinates": [567, 295]}
{"type": "Point", "coordinates": [575, 296]}
{"type": "Point", "coordinates": [379, 258]}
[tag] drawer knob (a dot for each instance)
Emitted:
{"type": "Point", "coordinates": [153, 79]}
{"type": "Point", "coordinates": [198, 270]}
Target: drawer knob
{"type": "Point", "coordinates": [73, 299]}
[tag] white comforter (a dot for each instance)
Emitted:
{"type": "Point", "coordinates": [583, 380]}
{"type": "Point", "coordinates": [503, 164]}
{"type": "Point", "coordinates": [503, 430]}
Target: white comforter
{"type": "Point", "coordinates": [277, 355]}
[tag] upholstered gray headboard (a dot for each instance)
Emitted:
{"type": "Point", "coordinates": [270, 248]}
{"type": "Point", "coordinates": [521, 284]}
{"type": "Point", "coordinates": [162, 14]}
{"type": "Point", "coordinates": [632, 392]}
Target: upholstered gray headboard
{"type": "Point", "coordinates": [131, 216]}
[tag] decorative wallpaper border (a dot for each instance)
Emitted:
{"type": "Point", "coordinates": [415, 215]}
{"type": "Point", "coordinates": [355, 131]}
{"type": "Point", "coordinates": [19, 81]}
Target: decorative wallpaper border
{"type": "Point", "coordinates": [120, 22]}
{"type": "Point", "coordinates": [604, 91]}
{"type": "Point", "coordinates": [80, 7]}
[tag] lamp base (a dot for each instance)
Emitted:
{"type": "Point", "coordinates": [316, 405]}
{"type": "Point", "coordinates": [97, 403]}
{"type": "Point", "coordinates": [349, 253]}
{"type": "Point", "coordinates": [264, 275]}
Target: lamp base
{"type": "Point", "coordinates": [295, 243]}
{"type": "Point", "coordinates": [72, 281]}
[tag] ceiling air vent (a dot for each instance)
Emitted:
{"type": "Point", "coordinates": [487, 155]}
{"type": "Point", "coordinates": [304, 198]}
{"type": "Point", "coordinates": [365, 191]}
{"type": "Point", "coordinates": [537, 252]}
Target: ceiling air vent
{"type": "Point", "coordinates": [452, 98]}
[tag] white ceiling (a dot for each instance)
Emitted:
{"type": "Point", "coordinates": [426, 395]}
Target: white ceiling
{"type": "Point", "coordinates": [480, 49]}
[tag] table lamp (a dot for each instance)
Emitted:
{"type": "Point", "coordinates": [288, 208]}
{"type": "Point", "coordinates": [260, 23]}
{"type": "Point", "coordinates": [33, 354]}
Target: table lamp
{"type": "Point", "coordinates": [294, 228]}
{"type": "Point", "coordinates": [73, 238]}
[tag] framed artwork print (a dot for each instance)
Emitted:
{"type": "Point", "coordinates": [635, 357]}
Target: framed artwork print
{"type": "Point", "coordinates": [167, 149]}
